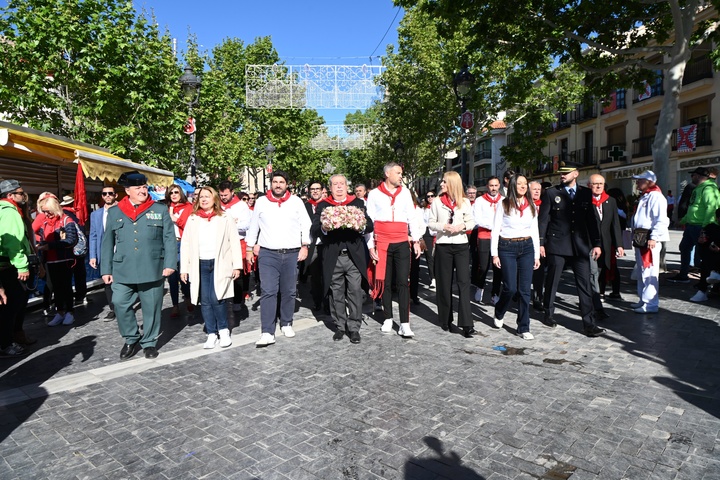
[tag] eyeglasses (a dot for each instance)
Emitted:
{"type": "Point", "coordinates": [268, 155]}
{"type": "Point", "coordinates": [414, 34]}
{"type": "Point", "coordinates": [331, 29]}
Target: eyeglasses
{"type": "Point", "coordinates": [108, 194]}
{"type": "Point", "coordinates": [244, 199]}
{"type": "Point", "coordinates": [175, 192]}
{"type": "Point", "coordinates": [17, 193]}
{"type": "Point", "coordinates": [430, 196]}
{"type": "Point", "coordinates": [311, 189]}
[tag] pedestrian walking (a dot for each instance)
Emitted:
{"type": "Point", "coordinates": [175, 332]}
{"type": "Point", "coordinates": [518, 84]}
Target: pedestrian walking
{"type": "Point", "coordinates": [240, 212]}
{"type": "Point", "coordinates": [312, 266]}
{"type": "Point", "coordinates": [179, 208]}
{"type": "Point", "coordinates": [484, 216]}
{"type": "Point", "coordinates": [429, 238]}
{"type": "Point", "coordinates": [538, 280]}
{"type": "Point", "coordinates": [98, 224]}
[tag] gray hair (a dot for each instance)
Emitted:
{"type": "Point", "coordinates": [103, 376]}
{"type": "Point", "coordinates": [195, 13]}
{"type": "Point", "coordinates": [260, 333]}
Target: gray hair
{"type": "Point", "coordinates": [389, 166]}
{"type": "Point", "coordinates": [330, 181]}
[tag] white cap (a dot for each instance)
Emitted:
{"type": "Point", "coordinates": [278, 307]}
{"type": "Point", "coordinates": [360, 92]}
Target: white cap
{"type": "Point", "coordinates": [646, 175]}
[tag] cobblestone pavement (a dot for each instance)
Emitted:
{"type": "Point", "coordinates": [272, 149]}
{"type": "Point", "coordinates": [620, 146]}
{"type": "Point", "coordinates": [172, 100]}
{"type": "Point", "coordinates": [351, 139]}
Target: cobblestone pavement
{"type": "Point", "coordinates": [643, 401]}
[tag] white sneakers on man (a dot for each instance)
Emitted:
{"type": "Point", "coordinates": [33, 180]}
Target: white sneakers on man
{"type": "Point", "coordinates": [225, 340]}
{"type": "Point", "coordinates": [212, 340]}
{"type": "Point", "coordinates": [387, 326]}
{"type": "Point", "coordinates": [288, 331]}
{"type": "Point", "coordinates": [497, 322]}
{"type": "Point", "coordinates": [265, 340]}
{"type": "Point", "coordinates": [404, 330]}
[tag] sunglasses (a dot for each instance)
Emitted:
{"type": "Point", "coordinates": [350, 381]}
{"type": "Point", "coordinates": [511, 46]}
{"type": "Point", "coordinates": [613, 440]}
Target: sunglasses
{"type": "Point", "coordinates": [244, 199]}
{"type": "Point", "coordinates": [430, 196]}
{"type": "Point", "coordinates": [108, 194]}
{"type": "Point", "coordinates": [175, 192]}
{"type": "Point", "coordinates": [452, 215]}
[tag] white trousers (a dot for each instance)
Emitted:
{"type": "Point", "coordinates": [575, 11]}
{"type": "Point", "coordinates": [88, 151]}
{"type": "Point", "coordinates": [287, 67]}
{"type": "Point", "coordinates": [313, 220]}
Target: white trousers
{"type": "Point", "coordinates": [648, 279]}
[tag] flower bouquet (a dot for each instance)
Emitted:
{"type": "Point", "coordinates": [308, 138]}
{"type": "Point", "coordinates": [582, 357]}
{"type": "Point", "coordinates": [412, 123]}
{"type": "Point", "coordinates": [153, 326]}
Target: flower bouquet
{"type": "Point", "coordinates": [334, 218]}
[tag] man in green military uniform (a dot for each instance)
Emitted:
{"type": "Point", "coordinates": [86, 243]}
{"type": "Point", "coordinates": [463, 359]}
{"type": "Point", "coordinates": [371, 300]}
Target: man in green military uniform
{"type": "Point", "coordinates": [138, 251]}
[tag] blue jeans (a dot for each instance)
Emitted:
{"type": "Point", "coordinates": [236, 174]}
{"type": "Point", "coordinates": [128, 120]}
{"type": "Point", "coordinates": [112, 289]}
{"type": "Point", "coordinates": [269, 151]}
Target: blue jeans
{"type": "Point", "coordinates": [213, 310]}
{"type": "Point", "coordinates": [278, 277]}
{"type": "Point", "coordinates": [516, 262]}
{"type": "Point", "coordinates": [174, 281]}
{"type": "Point", "coordinates": [688, 242]}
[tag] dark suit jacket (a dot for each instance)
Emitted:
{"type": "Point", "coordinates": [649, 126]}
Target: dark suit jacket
{"type": "Point", "coordinates": [311, 248]}
{"type": "Point", "coordinates": [568, 227]}
{"type": "Point", "coordinates": [334, 239]}
{"type": "Point", "coordinates": [610, 232]}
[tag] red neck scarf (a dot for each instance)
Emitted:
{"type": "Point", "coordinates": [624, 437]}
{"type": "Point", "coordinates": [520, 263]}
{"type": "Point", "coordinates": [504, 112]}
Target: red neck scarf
{"type": "Point", "coordinates": [538, 202]}
{"type": "Point", "coordinates": [523, 206]}
{"type": "Point", "coordinates": [493, 201]}
{"type": "Point", "coordinates": [603, 196]}
{"type": "Point", "coordinates": [9, 200]}
{"type": "Point", "coordinates": [228, 205]}
{"type": "Point", "coordinates": [654, 188]}
{"type": "Point", "coordinates": [280, 200]}
{"type": "Point", "coordinates": [445, 199]}
{"type": "Point", "coordinates": [177, 207]}
{"type": "Point", "coordinates": [472, 202]}
{"type": "Point", "coordinates": [314, 203]}
{"type": "Point", "coordinates": [334, 202]}
{"type": "Point", "coordinates": [392, 196]}
{"type": "Point", "coordinates": [203, 214]}
{"type": "Point", "coordinates": [133, 212]}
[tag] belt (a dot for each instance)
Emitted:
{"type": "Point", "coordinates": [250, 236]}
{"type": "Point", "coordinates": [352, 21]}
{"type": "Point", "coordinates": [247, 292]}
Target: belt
{"type": "Point", "coordinates": [344, 251]}
{"type": "Point", "coordinates": [282, 250]}
{"type": "Point", "coordinates": [519, 239]}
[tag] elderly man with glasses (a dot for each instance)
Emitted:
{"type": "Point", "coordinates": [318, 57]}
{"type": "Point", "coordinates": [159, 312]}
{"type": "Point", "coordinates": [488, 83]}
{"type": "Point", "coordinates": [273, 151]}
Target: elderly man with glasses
{"type": "Point", "coordinates": [138, 252]}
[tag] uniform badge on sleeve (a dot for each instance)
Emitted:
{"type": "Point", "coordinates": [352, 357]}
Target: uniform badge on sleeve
{"type": "Point", "coordinates": [558, 199]}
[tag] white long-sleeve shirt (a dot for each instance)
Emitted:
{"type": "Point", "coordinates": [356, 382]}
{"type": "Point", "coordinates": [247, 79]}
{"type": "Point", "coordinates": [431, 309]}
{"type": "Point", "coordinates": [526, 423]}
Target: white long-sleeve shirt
{"type": "Point", "coordinates": [484, 212]}
{"type": "Point", "coordinates": [652, 213]}
{"type": "Point", "coordinates": [380, 209]}
{"type": "Point", "coordinates": [241, 213]}
{"type": "Point", "coordinates": [275, 227]}
{"type": "Point", "coordinates": [515, 226]}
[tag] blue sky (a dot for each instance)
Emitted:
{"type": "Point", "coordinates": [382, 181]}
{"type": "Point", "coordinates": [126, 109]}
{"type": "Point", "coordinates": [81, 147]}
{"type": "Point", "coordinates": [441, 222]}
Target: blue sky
{"type": "Point", "coordinates": [315, 32]}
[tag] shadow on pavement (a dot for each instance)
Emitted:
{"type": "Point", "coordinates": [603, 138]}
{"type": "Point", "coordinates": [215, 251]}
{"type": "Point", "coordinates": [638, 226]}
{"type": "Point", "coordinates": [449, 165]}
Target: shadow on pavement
{"type": "Point", "coordinates": [441, 466]}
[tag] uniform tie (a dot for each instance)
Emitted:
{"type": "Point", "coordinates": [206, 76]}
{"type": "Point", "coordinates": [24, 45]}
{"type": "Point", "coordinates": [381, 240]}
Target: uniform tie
{"type": "Point", "coordinates": [571, 191]}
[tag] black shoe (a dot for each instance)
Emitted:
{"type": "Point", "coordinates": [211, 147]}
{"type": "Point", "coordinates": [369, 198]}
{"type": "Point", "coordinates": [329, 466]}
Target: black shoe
{"type": "Point", "coordinates": [416, 301]}
{"type": "Point", "coordinates": [615, 295]}
{"type": "Point", "coordinates": [354, 337]}
{"type": "Point", "coordinates": [594, 331]}
{"type": "Point", "coordinates": [601, 315]}
{"type": "Point", "coordinates": [538, 306]}
{"type": "Point", "coordinates": [338, 335]}
{"type": "Point", "coordinates": [679, 279]}
{"type": "Point", "coordinates": [468, 332]}
{"type": "Point", "coordinates": [129, 350]}
{"type": "Point", "coordinates": [549, 322]}
{"type": "Point", "coordinates": [316, 307]}
{"type": "Point", "coordinates": [150, 352]}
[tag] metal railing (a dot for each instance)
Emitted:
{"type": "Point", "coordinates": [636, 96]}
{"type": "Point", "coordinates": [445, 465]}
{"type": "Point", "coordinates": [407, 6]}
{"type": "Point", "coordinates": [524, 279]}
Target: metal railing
{"type": "Point", "coordinates": [642, 147]}
{"type": "Point", "coordinates": [697, 69]}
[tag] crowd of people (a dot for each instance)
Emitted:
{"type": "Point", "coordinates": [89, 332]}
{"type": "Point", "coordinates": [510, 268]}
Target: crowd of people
{"type": "Point", "coordinates": [208, 245]}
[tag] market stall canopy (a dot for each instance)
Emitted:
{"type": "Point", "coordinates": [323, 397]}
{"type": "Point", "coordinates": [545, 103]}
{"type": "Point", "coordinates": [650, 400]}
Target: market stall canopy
{"type": "Point", "coordinates": [98, 163]}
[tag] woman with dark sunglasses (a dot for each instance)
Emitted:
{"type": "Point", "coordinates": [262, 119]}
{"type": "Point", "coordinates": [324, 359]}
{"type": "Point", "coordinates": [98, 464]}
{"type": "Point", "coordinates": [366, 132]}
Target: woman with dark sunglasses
{"type": "Point", "coordinates": [180, 209]}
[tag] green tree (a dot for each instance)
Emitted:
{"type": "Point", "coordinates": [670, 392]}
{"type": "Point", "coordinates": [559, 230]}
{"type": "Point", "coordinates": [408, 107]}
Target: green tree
{"type": "Point", "coordinates": [617, 43]}
{"type": "Point", "coordinates": [92, 70]}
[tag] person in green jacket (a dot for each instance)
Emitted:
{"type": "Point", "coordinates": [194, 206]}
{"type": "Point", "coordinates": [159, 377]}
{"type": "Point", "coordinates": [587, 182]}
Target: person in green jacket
{"type": "Point", "coordinates": [14, 268]}
{"type": "Point", "coordinates": [705, 199]}
{"type": "Point", "coordinates": [138, 251]}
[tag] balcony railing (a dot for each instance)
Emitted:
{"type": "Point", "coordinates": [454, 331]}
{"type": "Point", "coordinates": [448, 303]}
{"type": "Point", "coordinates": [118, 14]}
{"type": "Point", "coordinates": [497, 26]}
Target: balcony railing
{"type": "Point", "coordinates": [642, 147]}
{"type": "Point", "coordinates": [545, 167]}
{"type": "Point", "coordinates": [583, 113]}
{"type": "Point", "coordinates": [586, 156]}
{"type": "Point", "coordinates": [483, 154]}
{"type": "Point", "coordinates": [613, 153]}
{"type": "Point", "coordinates": [697, 69]}
{"type": "Point", "coordinates": [702, 136]}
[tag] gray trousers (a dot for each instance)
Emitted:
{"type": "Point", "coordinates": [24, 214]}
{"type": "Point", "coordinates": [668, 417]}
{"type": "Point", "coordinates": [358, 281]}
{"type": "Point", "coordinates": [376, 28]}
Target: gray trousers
{"type": "Point", "coordinates": [346, 291]}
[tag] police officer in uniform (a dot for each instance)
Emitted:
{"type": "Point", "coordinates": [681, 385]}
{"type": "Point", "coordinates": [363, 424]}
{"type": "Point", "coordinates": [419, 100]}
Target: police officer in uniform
{"type": "Point", "coordinates": [569, 233]}
{"type": "Point", "coordinates": [138, 252]}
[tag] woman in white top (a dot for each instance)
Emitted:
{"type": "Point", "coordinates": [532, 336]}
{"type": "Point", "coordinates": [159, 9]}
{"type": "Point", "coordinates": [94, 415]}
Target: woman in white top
{"type": "Point", "coordinates": [450, 216]}
{"type": "Point", "coordinates": [515, 249]}
{"type": "Point", "coordinates": [211, 259]}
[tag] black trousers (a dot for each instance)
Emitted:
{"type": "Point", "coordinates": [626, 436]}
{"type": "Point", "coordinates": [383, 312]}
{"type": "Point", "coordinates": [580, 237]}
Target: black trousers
{"type": "Point", "coordinates": [483, 267]}
{"type": "Point", "coordinates": [61, 275]}
{"type": "Point", "coordinates": [80, 277]}
{"type": "Point", "coordinates": [451, 258]}
{"type": "Point", "coordinates": [580, 266]}
{"type": "Point", "coordinates": [16, 298]}
{"type": "Point", "coordinates": [397, 269]}
{"type": "Point", "coordinates": [430, 244]}
{"type": "Point", "coordinates": [346, 295]}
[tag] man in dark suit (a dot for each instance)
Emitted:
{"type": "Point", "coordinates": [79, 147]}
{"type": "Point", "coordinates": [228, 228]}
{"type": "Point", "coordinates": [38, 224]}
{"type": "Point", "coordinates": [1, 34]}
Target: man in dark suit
{"type": "Point", "coordinates": [312, 265]}
{"type": "Point", "coordinates": [606, 213]}
{"type": "Point", "coordinates": [344, 261]}
{"type": "Point", "coordinates": [97, 231]}
{"type": "Point", "coordinates": [570, 233]}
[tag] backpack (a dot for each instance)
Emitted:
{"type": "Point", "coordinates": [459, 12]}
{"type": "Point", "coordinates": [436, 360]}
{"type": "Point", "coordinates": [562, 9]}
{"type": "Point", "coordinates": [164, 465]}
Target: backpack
{"type": "Point", "coordinates": [81, 246]}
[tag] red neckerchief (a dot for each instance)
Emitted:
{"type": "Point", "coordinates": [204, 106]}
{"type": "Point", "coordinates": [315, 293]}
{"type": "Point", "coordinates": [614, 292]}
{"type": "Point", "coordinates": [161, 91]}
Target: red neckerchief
{"type": "Point", "coordinates": [472, 203]}
{"type": "Point", "coordinates": [603, 196]}
{"type": "Point", "coordinates": [228, 205]}
{"type": "Point", "coordinates": [133, 212]}
{"type": "Point", "coordinates": [428, 205]}
{"type": "Point", "coordinates": [203, 214]}
{"type": "Point", "coordinates": [347, 200]}
{"type": "Point", "coordinates": [538, 202]}
{"type": "Point", "coordinates": [9, 200]}
{"type": "Point", "coordinates": [445, 199]}
{"type": "Point", "coordinates": [178, 207]}
{"type": "Point", "coordinates": [392, 196]}
{"type": "Point", "coordinates": [654, 188]}
{"type": "Point", "coordinates": [314, 203]}
{"type": "Point", "coordinates": [492, 201]}
{"type": "Point", "coordinates": [280, 200]}
{"type": "Point", "coordinates": [522, 206]}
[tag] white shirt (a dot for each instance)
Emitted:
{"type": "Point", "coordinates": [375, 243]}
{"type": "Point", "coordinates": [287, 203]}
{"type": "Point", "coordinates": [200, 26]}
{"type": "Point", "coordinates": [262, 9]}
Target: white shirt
{"type": "Point", "coordinates": [484, 212]}
{"type": "Point", "coordinates": [276, 227]}
{"type": "Point", "coordinates": [241, 213]}
{"type": "Point", "coordinates": [426, 219]}
{"type": "Point", "coordinates": [380, 209]}
{"type": "Point", "coordinates": [207, 245]}
{"type": "Point", "coordinates": [652, 213]}
{"type": "Point", "coordinates": [515, 226]}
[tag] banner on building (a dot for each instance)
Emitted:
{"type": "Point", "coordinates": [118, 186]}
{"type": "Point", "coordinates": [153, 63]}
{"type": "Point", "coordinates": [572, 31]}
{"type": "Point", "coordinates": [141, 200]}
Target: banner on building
{"type": "Point", "coordinates": [687, 139]}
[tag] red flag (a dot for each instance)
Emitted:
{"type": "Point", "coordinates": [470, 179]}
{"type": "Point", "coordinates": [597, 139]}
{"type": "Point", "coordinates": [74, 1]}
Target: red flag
{"type": "Point", "coordinates": [80, 202]}
{"type": "Point", "coordinates": [189, 127]}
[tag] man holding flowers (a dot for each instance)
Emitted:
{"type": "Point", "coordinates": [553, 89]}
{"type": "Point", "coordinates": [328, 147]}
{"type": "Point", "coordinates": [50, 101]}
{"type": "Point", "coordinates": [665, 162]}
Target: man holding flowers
{"type": "Point", "coordinates": [341, 222]}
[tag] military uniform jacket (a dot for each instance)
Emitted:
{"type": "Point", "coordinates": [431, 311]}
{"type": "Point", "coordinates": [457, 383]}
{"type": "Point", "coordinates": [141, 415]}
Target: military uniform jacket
{"type": "Point", "coordinates": [568, 227]}
{"type": "Point", "coordinates": [137, 252]}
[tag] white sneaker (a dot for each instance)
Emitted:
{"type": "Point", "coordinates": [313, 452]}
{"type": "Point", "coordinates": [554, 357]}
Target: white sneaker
{"type": "Point", "coordinates": [432, 284]}
{"type": "Point", "coordinates": [265, 340]}
{"type": "Point", "coordinates": [288, 331]}
{"type": "Point", "coordinates": [212, 340]}
{"type": "Point", "coordinates": [479, 295]}
{"type": "Point", "coordinates": [637, 305]}
{"type": "Point", "coordinates": [57, 320]}
{"type": "Point", "coordinates": [495, 299]}
{"type": "Point", "coordinates": [68, 319]}
{"type": "Point", "coordinates": [713, 278]}
{"type": "Point", "coordinates": [225, 340]}
{"type": "Point", "coordinates": [700, 296]}
{"type": "Point", "coordinates": [497, 322]}
{"type": "Point", "coordinates": [404, 330]}
{"type": "Point", "coordinates": [387, 326]}
{"type": "Point", "coordinates": [526, 336]}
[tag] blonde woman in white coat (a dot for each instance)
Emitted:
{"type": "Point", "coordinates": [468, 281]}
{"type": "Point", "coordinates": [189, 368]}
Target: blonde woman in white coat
{"type": "Point", "coordinates": [211, 259]}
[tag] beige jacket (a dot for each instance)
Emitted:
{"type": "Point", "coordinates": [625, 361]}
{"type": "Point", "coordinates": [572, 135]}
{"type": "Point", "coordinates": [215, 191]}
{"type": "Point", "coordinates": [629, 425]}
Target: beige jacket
{"type": "Point", "coordinates": [440, 215]}
{"type": "Point", "coordinates": [228, 257]}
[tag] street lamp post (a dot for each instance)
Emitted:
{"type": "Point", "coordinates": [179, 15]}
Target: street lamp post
{"type": "Point", "coordinates": [190, 84]}
{"type": "Point", "coordinates": [462, 85]}
{"type": "Point", "coordinates": [269, 153]}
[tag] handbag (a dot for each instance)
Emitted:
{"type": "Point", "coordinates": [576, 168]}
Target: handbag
{"type": "Point", "coordinates": [640, 237]}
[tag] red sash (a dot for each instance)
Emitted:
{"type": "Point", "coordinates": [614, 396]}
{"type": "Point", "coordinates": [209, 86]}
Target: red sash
{"type": "Point", "coordinates": [386, 233]}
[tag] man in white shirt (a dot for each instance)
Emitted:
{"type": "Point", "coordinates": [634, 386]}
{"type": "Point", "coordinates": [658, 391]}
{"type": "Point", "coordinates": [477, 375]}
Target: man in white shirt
{"type": "Point", "coordinates": [391, 208]}
{"type": "Point", "coordinates": [278, 237]}
{"type": "Point", "coordinates": [484, 214]}
{"type": "Point", "coordinates": [98, 219]}
{"type": "Point", "coordinates": [240, 212]}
